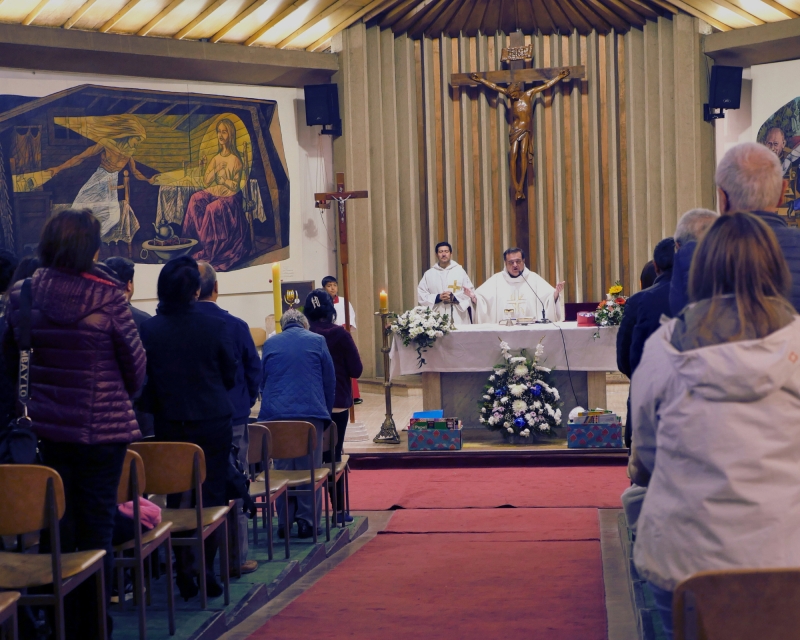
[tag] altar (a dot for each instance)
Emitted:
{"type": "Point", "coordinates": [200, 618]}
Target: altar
{"type": "Point", "coordinates": [457, 366]}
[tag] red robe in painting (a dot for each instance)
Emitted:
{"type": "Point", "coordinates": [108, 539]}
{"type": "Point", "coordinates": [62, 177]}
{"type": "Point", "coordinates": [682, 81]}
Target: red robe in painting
{"type": "Point", "coordinates": [220, 226]}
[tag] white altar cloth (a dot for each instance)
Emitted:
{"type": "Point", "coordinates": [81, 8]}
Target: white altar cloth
{"type": "Point", "coordinates": [476, 347]}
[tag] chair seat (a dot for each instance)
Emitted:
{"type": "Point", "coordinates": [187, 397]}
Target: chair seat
{"type": "Point", "coordinates": [186, 519]}
{"type": "Point", "coordinates": [148, 536]}
{"type": "Point", "coordinates": [257, 486]}
{"type": "Point", "coordinates": [24, 570]}
{"type": "Point", "coordinates": [340, 466]}
{"type": "Point", "coordinates": [299, 478]}
{"type": "Point", "coordinates": [7, 599]}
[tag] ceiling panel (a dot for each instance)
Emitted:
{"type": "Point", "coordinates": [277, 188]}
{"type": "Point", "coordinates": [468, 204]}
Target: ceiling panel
{"type": "Point", "coordinates": [310, 24]}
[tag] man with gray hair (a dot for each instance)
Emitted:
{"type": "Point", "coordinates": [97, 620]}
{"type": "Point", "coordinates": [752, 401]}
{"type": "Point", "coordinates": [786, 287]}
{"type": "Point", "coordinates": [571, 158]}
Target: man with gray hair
{"type": "Point", "coordinates": [750, 179]}
{"type": "Point", "coordinates": [244, 393]}
{"type": "Point", "coordinates": [690, 230]}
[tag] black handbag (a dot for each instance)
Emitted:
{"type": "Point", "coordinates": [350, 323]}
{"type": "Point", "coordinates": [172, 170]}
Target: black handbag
{"type": "Point", "coordinates": [18, 442]}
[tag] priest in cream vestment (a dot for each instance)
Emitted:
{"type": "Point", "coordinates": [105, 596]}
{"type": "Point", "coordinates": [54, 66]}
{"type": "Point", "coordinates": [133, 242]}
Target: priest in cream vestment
{"type": "Point", "coordinates": [512, 293]}
{"type": "Point", "coordinates": [446, 287]}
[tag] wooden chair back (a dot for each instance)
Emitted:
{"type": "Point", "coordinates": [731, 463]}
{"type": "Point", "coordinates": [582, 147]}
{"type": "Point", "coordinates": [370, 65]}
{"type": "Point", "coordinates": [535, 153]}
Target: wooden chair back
{"type": "Point", "coordinates": [260, 448]}
{"type": "Point", "coordinates": [259, 336]}
{"type": "Point", "coordinates": [292, 439]}
{"type": "Point", "coordinates": [739, 604]}
{"type": "Point", "coordinates": [23, 498]}
{"type": "Point", "coordinates": [170, 466]}
{"type": "Point", "coordinates": [125, 488]}
{"type": "Point", "coordinates": [330, 438]}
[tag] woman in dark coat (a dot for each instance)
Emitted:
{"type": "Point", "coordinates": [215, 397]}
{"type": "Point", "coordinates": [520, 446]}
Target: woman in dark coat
{"type": "Point", "coordinates": [321, 315]}
{"type": "Point", "coordinates": [86, 363]}
{"type": "Point", "coordinates": [190, 367]}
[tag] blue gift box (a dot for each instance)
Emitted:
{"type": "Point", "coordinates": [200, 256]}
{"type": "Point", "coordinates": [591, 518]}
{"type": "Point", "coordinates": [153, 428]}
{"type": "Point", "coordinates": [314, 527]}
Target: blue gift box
{"type": "Point", "coordinates": [434, 440]}
{"type": "Point", "coordinates": [594, 432]}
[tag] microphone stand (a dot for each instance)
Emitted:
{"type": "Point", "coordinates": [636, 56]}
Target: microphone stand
{"type": "Point", "coordinates": [543, 319]}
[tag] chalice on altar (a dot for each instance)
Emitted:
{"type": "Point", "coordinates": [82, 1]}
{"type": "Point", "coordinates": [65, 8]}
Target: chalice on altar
{"type": "Point", "coordinates": [291, 297]}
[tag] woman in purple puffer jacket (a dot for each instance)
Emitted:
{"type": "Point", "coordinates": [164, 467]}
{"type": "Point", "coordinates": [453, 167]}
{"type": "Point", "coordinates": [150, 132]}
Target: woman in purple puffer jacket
{"type": "Point", "coordinates": [86, 363]}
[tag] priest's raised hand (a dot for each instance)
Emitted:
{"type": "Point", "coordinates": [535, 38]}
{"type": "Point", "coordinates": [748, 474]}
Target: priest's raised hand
{"type": "Point", "coordinates": [519, 293]}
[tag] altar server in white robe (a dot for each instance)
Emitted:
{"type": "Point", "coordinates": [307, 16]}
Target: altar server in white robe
{"type": "Point", "coordinates": [331, 285]}
{"type": "Point", "coordinates": [446, 287]}
{"type": "Point", "coordinates": [519, 293]}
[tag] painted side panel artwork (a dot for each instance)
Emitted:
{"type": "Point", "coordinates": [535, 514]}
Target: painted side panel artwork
{"type": "Point", "coordinates": [781, 134]}
{"type": "Point", "coordinates": [165, 174]}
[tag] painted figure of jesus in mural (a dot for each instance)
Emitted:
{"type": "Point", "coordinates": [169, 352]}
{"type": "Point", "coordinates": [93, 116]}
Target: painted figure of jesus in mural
{"type": "Point", "coordinates": [215, 216]}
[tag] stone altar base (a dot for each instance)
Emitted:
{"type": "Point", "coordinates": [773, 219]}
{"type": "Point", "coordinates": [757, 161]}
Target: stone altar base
{"type": "Point", "coordinates": [459, 393]}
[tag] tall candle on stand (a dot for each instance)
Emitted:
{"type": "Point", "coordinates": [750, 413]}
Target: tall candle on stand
{"type": "Point", "coordinates": [384, 302]}
{"type": "Point", "coordinates": [276, 294]}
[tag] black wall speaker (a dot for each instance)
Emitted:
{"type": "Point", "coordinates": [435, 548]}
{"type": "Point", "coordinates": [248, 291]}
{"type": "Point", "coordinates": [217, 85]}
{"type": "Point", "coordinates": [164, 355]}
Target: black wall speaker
{"type": "Point", "coordinates": [725, 91]}
{"type": "Point", "coordinates": [322, 105]}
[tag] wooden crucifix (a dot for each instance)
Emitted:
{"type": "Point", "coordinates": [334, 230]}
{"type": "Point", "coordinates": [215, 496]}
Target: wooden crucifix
{"type": "Point", "coordinates": [341, 197]}
{"type": "Point", "coordinates": [323, 202]}
{"type": "Point", "coordinates": [519, 137]}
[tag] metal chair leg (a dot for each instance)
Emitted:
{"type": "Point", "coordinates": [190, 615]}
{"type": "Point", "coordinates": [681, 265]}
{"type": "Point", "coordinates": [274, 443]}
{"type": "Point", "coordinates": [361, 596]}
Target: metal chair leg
{"type": "Point", "coordinates": [101, 603]}
{"type": "Point", "coordinates": [170, 588]}
{"type": "Point", "coordinates": [224, 564]}
{"type": "Point", "coordinates": [286, 529]}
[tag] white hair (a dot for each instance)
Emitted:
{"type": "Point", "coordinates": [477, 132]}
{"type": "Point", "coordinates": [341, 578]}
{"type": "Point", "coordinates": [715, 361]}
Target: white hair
{"type": "Point", "coordinates": [751, 177]}
{"type": "Point", "coordinates": [693, 225]}
{"type": "Point", "coordinates": [295, 316]}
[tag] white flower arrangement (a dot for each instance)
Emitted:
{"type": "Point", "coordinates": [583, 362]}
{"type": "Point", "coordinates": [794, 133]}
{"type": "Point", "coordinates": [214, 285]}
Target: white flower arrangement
{"type": "Point", "coordinates": [422, 326]}
{"type": "Point", "coordinates": [519, 397]}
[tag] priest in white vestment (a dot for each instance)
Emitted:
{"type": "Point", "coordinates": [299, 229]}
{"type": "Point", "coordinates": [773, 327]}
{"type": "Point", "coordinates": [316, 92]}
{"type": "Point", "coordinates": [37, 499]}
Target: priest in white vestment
{"type": "Point", "coordinates": [516, 292]}
{"type": "Point", "coordinates": [446, 287]}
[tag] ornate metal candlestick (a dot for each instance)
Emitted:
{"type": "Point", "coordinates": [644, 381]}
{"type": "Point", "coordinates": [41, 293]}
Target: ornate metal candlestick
{"type": "Point", "coordinates": [388, 433]}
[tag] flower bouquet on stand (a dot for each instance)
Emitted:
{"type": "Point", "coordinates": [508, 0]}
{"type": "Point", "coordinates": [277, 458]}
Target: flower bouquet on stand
{"type": "Point", "coordinates": [610, 311]}
{"type": "Point", "coordinates": [421, 326]}
{"type": "Point", "coordinates": [518, 399]}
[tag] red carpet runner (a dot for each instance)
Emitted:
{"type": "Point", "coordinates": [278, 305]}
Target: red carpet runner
{"type": "Point", "coordinates": [463, 571]}
{"type": "Point", "coordinates": [378, 490]}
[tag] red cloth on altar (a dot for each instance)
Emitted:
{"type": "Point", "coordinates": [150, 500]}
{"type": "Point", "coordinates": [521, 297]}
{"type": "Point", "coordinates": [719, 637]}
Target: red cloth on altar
{"type": "Point", "coordinates": [219, 224]}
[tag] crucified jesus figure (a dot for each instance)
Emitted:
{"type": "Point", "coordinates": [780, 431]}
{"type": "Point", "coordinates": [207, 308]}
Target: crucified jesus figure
{"type": "Point", "coordinates": [519, 138]}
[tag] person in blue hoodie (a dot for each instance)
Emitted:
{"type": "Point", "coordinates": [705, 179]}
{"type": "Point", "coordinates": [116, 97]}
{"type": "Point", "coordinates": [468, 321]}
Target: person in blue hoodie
{"type": "Point", "coordinates": [298, 382]}
{"type": "Point", "coordinates": [244, 393]}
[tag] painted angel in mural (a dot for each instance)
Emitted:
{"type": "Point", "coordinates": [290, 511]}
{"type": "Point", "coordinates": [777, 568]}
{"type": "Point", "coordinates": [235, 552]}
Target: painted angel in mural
{"type": "Point", "coordinates": [118, 138]}
{"type": "Point", "coordinates": [215, 215]}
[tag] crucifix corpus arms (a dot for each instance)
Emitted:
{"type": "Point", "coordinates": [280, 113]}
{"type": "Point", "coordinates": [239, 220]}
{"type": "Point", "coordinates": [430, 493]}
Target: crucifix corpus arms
{"type": "Point", "coordinates": [519, 136]}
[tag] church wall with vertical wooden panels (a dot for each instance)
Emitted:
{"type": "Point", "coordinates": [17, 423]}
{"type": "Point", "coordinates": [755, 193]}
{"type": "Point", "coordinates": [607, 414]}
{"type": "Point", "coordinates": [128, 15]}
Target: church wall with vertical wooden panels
{"type": "Point", "coordinates": [617, 157]}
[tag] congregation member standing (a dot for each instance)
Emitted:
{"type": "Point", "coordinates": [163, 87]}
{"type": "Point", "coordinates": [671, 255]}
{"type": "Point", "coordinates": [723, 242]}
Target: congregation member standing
{"type": "Point", "coordinates": [750, 178]}
{"type": "Point", "coordinates": [244, 393]}
{"type": "Point", "coordinates": [642, 315]}
{"type": "Point", "coordinates": [715, 402]}
{"type": "Point", "coordinates": [298, 382]}
{"type": "Point", "coordinates": [690, 230]}
{"type": "Point", "coordinates": [331, 285]}
{"type": "Point", "coordinates": [124, 270]}
{"type": "Point", "coordinates": [446, 287]}
{"type": "Point", "coordinates": [524, 293]}
{"type": "Point", "coordinates": [191, 366]}
{"type": "Point", "coordinates": [86, 363]}
{"type": "Point", "coordinates": [321, 315]}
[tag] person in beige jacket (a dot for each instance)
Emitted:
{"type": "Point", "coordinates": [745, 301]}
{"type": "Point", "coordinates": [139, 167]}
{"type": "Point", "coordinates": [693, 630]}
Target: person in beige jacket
{"type": "Point", "coordinates": [715, 403]}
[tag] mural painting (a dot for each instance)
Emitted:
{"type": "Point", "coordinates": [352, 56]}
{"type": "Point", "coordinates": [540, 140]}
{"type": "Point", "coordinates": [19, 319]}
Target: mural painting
{"type": "Point", "coordinates": [781, 134]}
{"type": "Point", "coordinates": [165, 174]}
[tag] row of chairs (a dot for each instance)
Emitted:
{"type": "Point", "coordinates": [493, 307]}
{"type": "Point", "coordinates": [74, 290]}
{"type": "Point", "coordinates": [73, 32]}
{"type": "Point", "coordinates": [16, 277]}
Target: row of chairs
{"type": "Point", "coordinates": [33, 500]}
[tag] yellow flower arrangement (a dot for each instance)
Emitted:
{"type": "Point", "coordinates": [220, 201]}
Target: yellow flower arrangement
{"type": "Point", "coordinates": [617, 288]}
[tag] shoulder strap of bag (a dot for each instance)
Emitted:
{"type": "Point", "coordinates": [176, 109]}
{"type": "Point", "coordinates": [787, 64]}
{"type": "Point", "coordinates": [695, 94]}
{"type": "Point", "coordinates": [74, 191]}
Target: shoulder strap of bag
{"type": "Point", "coordinates": [25, 303]}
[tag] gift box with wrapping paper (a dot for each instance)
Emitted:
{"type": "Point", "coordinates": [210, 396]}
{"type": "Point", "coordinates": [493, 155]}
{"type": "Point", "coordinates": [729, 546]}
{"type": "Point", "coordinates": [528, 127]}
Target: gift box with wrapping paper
{"type": "Point", "coordinates": [595, 430]}
{"type": "Point", "coordinates": [435, 439]}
